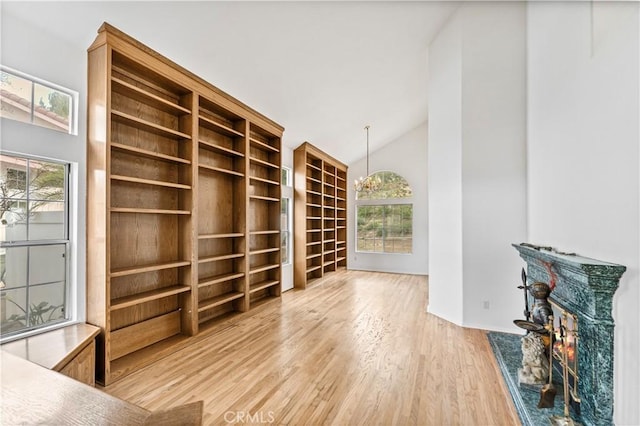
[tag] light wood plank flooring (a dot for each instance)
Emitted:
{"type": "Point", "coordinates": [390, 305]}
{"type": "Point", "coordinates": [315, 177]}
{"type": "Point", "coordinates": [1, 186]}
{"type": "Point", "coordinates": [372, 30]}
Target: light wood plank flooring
{"type": "Point", "coordinates": [357, 348]}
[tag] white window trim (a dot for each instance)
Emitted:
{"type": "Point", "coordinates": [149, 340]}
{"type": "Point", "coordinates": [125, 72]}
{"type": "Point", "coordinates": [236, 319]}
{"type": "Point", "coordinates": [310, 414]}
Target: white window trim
{"type": "Point", "coordinates": [384, 201]}
{"type": "Point", "coordinates": [287, 192]}
{"type": "Point", "coordinates": [73, 111]}
{"type": "Point", "coordinates": [72, 295]}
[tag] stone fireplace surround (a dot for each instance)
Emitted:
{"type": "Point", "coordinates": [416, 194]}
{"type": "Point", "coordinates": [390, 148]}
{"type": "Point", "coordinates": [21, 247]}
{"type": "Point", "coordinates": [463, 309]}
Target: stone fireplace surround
{"type": "Point", "coordinates": [584, 287]}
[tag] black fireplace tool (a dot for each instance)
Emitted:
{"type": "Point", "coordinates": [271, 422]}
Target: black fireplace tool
{"type": "Point", "coordinates": [527, 324]}
{"type": "Point", "coordinates": [549, 391]}
{"type": "Point", "coordinates": [525, 287]}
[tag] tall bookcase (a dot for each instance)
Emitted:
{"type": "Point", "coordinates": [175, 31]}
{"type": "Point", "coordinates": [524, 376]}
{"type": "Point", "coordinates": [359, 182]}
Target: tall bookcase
{"type": "Point", "coordinates": [183, 204]}
{"type": "Point", "coordinates": [320, 214]}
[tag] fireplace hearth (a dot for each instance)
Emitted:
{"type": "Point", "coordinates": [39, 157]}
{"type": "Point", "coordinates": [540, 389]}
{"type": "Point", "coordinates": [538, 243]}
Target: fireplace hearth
{"type": "Point", "coordinates": [582, 293]}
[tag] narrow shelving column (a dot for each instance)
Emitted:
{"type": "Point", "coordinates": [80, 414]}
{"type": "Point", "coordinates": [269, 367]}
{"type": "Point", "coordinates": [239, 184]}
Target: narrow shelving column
{"type": "Point", "coordinates": [221, 207]}
{"type": "Point", "coordinates": [264, 214]}
{"type": "Point", "coordinates": [341, 218]}
{"type": "Point", "coordinates": [329, 218]}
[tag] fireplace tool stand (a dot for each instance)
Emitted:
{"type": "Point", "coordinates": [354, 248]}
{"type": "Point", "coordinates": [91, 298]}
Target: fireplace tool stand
{"type": "Point", "coordinates": [566, 419]}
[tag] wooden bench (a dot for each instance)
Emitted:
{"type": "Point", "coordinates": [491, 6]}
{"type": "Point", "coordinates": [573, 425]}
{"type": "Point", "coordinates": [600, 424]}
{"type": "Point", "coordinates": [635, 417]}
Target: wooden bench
{"type": "Point", "coordinates": [31, 394]}
{"type": "Point", "coordinates": [34, 393]}
{"type": "Point", "coordinates": [69, 350]}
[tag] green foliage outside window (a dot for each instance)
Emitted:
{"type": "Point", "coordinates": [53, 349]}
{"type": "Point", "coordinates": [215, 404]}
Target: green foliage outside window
{"type": "Point", "coordinates": [383, 227]}
{"type": "Point", "coordinates": [392, 185]}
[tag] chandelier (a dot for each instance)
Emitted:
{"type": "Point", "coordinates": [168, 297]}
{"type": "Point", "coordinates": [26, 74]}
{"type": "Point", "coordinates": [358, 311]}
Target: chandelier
{"type": "Point", "coordinates": [369, 183]}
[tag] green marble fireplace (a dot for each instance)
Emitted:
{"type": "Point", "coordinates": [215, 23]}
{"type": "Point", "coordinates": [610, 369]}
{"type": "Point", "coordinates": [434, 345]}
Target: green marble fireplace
{"type": "Point", "coordinates": [584, 287]}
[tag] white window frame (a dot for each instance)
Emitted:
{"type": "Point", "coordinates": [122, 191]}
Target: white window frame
{"type": "Point", "coordinates": [70, 297]}
{"type": "Point", "coordinates": [73, 108]}
{"type": "Point", "coordinates": [382, 202]}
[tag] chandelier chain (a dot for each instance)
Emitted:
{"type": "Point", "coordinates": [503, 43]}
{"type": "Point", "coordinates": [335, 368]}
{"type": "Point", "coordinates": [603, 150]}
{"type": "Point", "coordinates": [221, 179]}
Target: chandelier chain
{"type": "Point", "coordinates": [368, 183]}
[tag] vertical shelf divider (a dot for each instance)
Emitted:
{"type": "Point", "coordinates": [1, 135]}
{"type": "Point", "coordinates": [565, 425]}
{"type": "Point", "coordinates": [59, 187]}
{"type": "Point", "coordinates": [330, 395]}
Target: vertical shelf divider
{"type": "Point", "coordinates": [189, 276]}
{"type": "Point", "coordinates": [245, 302]}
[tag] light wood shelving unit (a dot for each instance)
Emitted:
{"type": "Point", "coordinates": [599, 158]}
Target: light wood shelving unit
{"type": "Point", "coordinates": [320, 220]}
{"type": "Point", "coordinates": [183, 204]}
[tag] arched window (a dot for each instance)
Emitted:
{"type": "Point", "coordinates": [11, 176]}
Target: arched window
{"type": "Point", "coordinates": [384, 215]}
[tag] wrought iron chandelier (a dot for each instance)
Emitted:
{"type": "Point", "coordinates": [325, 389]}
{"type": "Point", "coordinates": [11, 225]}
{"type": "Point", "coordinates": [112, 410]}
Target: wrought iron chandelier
{"type": "Point", "coordinates": [368, 183]}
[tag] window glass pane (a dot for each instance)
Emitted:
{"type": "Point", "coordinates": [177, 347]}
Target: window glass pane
{"type": "Point", "coordinates": [369, 227]}
{"type": "Point", "coordinates": [398, 235]}
{"type": "Point", "coordinates": [15, 97]}
{"type": "Point", "coordinates": [385, 228]}
{"type": "Point", "coordinates": [14, 271]}
{"type": "Point", "coordinates": [13, 310]}
{"type": "Point", "coordinates": [46, 181]}
{"type": "Point", "coordinates": [285, 247]}
{"type": "Point", "coordinates": [24, 98]}
{"type": "Point", "coordinates": [46, 221]}
{"type": "Point", "coordinates": [13, 177]}
{"type": "Point", "coordinates": [46, 303]}
{"type": "Point", "coordinates": [51, 108]}
{"type": "Point", "coordinates": [286, 176]}
{"type": "Point", "coordinates": [389, 185]}
{"type": "Point", "coordinates": [13, 205]}
{"type": "Point", "coordinates": [47, 264]}
{"type": "Point", "coordinates": [13, 224]}
{"type": "Point", "coordinates": [377, 245]}
{"type": "Point", "coordinates": [284, 214]}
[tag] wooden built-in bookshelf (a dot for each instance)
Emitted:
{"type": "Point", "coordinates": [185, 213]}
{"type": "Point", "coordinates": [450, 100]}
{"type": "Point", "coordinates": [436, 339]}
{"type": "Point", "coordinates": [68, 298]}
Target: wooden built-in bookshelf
{"type": "Point", "coordinates": [183, 206]}
{"type": "Point", "coordinates": [320, 214]}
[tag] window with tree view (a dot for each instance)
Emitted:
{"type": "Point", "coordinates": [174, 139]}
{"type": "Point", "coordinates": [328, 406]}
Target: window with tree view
{"type": "Point", "coordinates": [33, 101]}
{"type": "Point", "coordinates": [385, 216]}
{"type": "Point", "coordinates": [33, 243]}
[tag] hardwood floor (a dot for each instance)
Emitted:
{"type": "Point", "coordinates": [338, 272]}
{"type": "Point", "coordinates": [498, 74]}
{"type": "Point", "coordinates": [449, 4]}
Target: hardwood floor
{"type": "Point", "coordinates": [357, 348]}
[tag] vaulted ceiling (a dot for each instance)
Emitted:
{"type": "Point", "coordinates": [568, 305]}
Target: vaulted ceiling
{"type": "Point", "coordinates": [323, 70]}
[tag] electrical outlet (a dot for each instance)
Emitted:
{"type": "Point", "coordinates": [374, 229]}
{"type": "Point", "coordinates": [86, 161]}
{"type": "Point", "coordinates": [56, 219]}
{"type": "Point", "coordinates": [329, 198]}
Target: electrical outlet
{"type": "Point", "coordinates": [486, 304]}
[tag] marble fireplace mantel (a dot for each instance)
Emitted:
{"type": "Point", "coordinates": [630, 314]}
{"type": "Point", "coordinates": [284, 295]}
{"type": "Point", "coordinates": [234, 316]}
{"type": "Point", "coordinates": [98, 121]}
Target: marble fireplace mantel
{"type": "Point", "coordinates": [585, 287]}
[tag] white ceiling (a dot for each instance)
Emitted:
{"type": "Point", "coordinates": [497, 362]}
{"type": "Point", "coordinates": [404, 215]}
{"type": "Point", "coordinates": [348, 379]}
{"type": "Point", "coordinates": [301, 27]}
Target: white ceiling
{"type": "Point", "coordinates": [323, 70]}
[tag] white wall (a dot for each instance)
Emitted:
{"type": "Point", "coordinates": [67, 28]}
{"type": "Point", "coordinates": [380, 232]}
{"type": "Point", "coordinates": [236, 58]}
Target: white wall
{"type": "Point", "coordinates": [477, 165]}
{"type": "Point", "coordinates": [445, 174]}
{"type": "Point", "coordinates": [33, 51]}
{"type": "Point", "coordinates": [407, 156]}
{"type": "Point", "coordinates": [583, 137]}
{"type": "Point", "coordinates": [493, 161]}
